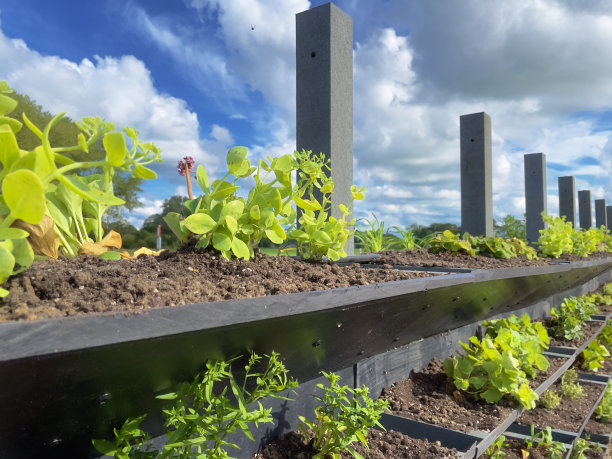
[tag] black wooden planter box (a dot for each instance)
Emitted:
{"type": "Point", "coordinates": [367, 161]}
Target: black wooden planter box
{"type": "Point", "coordinates": [64, 382]}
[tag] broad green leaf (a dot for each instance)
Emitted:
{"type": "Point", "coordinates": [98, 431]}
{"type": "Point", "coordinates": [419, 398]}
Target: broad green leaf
{"type": "Point", "coordinates": [200, 223]}
{"type": "Point", "coordinates": [37, 161]}
{"type": "Point", "coordinates": [114, 144]}
{"type": "Point", "coordinates": [144, 172]}
{"type": "Point", "coordinates": [222, 189]}
{"type": "Point", "coordinates": [177, 226]}
{"type": "Point", "coordinates": [24, 194]}
{"type": "Point", "coordinates": [235, 158]}
{"type": "Point", "coordinates": [284, 164]}
{"type": "Point", "coordinates": [23, 253]}
{"type": "Point", "coordinates": [491, 395]}
{"type": "Point", "coordinates": [9, 150]}
{"type": "Point", "coordinates": [202, 178]}
{"type": "Point", "coordinates": [240, 249]}
{"type": "Point", "coordinates": [307, 204]}
{"type": "Point", "coordinates": [12, 123]}
{"type": "Point", "coordinates": [105, 447]}
{"type": "Point", "coordinates": [321, 237]}
{"type": "Point", "coordinates": [233, 208]}
{"type": "Point", "coordinates": [299, 235]}
{"type": "Point", "coordinates": [254, 212]}
{"type": "Point", "coordinates": [12, 233]}
{"type": "Point", "coordinates": [7, 261]}
{"type": "Point", "coordinates": [7, 104]}
{"type": "Point", "coordinates": [332, 255]}
{"type": "Point", "coordinates": [231, 224]}
{"type": "Point", "coordinates": [222, 241]}
{"type": "Point", "coordinates": [271, 234]}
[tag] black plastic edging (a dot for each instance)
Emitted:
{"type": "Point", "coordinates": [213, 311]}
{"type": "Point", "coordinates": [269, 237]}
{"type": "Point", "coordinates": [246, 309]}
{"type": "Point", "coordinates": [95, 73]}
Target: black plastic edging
{"type": "Point", "coordinates": [464, 443]}
{"type": "Point", "coordinates": [65, 381]}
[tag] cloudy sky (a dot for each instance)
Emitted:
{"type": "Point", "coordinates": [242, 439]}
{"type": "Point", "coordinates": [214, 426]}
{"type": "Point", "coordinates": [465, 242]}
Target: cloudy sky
{"type": "Point", "coordinates": [194, 77]}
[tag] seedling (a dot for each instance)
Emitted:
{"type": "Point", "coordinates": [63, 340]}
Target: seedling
{"type": "Point", "coordinates": [569, 387]}
{"type": "Point", "coordinates": [550, 399]}
{"type": "Point", "coordinates": [342, 418]}
{"type": "Point", "coordinates": [544, 442]}
{"type": "Point", "coordinates": [495, 451]}
{"type": "Point", "coordinates": [583, 446]}
{"type": "Point", "coordinates": [203, 415]}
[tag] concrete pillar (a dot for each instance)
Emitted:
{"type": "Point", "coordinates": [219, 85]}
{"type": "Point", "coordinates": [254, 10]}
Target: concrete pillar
{"type": "Point", "coordinates": [324, 94]}
{"type": "Point", "coordinates": [476, 183]}
{"type": "Point", "coordinates": [609, 217]}
{"type": "Point", "coordinates": [601, 219]}
{"type": "Point", "coordinates": [535, 194]}
{"type": "Point", "coordinates": [584, 209]}
{"type": "Point", "coordinates": [567, 199]}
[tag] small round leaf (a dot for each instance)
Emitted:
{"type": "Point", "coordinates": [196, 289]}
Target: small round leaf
{"type": "Point", "coordinates": [24, 194]}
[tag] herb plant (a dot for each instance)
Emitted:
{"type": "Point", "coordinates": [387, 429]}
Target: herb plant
{"type": "Point", "coordinates": [556, 239]}
{"type": "Point", "coordinates": [550, 399]}
{"type": "Point", "coordinates": [543, 441]}
{"type": "Point", "coordinates": [569, 387]}
{"type": "Point", "coordinates": [582, 446]}
{"type": "Point", "coordinates": [372, 238]}
{"type": "Point", "coordinates": [450, 242]}
{"type": "Point", "coordinates": [342, 418]}
{"type": "Point", "coordinates": [43, 197]}
{"type": "Point", "coordinates": [403, 240]}
{"type": "Point", "coordinates": [203, 414]}
{"type": "Point", "coordinates": [603, 412]}
{"type": "Point", "coordinates": [318, 233]}
{"type": "Point", "coordinates": [495, 451]}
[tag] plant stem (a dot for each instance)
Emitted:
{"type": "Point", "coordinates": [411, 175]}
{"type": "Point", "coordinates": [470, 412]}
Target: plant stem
{"type": "Point", "coordinates": [187, 172]}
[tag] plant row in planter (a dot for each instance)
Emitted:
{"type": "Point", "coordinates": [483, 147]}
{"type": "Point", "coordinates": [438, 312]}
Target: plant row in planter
{"type": "Point", "coordinates": [217, 404]}
{"type": "Point", "coordinates": [557, 239]}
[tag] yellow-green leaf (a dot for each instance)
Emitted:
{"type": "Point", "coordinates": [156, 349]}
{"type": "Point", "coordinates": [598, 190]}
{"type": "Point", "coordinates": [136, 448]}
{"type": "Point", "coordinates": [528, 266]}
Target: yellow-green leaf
{"type": "Point", "coordinates": [307, 204]}
{"type": "Point", "coordinates": [7, 261]}
{"type": "Point", "coordinates": [231, 224]}
{"type": "Point", "coordinates": [114, 144]}
{"type": "Point", "coordinates": [199, 223]}
{"type": "Point", "coordinates": [254, 212]}
{"type": "Point", "coordinates": [24, 194]}
{"type": "Point", "coordinates": [235, 159]}
{"type": "Point", "coordinates": [83, 143]}
{"type": "Point", "coordinates": [240, 249]}
{"type": "Point", "coordinates": [202, 178]}
{"type": "Point", "coordinates": [221, 241]}
{"type": "Point", "coordinates": [9, 149]}
{"type": "Point", "coordinates": [11, 122]}
{"type": "Point", "coordinates": [321, 237]}
{"type": "Point", "coordinates": [7, 104]}
{"type": "Point", "coordinates": [271, 234]}
{"type": "Point", "coordinates": [144, 172]}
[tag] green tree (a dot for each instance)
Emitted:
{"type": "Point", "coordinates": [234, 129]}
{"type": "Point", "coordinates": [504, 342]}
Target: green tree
{"type": "Point", "coordinates": [65, 133]}
{"type": "Point", "coordinates": [510, 227]}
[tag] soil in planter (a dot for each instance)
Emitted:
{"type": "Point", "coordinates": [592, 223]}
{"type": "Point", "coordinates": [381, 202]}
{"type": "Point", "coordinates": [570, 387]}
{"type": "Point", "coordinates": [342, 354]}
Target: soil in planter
{"type": "Point", "coordinates": [515, 447]}
{"type": "Point", "coordinates": [421, 257]}
{"type": "Point", "coordinates": [382, 445]}
{"type": "Point", "coordinates": [429, 396]}
{"type": "Point", "coordinates": [569, 415]}
{"type": "Point", "coordinates": [588, 330]}
{"type": "Point", "coordinates": [83, 285]}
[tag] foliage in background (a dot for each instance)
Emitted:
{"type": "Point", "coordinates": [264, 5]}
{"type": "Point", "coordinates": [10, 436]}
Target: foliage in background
{"type": "Point", "coordinates": [594, 355]}
{"type": "Point", "coordinates": [204, 413]}
{"type": "Point", "coordinates": [559, 237]}
{"type": "Point", "coordinates": [511, 227]}
{"type": "Point", "coordinates": [371, 238]}
{"type": "Point", "coordinates": [342, 418]}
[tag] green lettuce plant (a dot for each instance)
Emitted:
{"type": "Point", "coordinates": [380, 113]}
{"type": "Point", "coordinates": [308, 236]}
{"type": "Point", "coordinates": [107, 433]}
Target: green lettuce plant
{"type": "Point", "coordinates": [556, 239]}
{"type": "Point", "coordinates": [569, 387]}
{"type": "Point", "coordinates": [204, 413]}
{"type": "Point", "coordinates": [487, 372]}
{"type": "Point", "coordinates": [447, 241]}
{"type": "Point", "coordinates": [593, 356]}
{"type": "Point", "coordinates": [44, 199]}
{"type": "Point", "coordinates": [571, 316]}
{"type": "Point", "coordinates": [550, 399]}
{"type": "Point", "coordinates": [342, 418]}
{"type": "Point", "coordinates": [603, 412]}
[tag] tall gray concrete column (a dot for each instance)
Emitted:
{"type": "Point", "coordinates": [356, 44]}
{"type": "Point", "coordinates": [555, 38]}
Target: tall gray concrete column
{"type": "Point", "coordinates": [584, 209]}
{"type": "Point", "coordinates": [567, 199]}
{"type": "Point", "coordinates": [609, 217]}
{"type": "Point", "coordinates": [535, 194]}
{"type": "Point", "coordinates": [324, 94]}
{"type": "Point", "coordinates": [601, 219]}
{"type": "Point", "coordinates": [476, 171]}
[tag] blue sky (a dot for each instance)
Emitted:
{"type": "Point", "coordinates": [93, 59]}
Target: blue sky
{"type": "Point", "coordinates": [195, 78]}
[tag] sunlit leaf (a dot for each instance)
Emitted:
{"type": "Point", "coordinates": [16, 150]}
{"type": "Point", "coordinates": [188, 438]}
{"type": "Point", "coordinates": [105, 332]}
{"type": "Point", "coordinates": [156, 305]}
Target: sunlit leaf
{"type": "Point", "coordinates": [114, 144]}
{"type": "Point", "coordinates": [24, 194]}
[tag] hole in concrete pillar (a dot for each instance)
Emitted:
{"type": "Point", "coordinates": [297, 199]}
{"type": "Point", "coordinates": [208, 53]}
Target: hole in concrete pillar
{"type": "Point", "coordinates": [313, 54]}
{"type": "Point", "coordinates": [471, 140]}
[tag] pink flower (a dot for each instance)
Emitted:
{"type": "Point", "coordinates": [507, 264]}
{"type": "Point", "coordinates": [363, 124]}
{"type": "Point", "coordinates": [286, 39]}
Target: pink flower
{"type": "Point", "coordinates": [187, 163]}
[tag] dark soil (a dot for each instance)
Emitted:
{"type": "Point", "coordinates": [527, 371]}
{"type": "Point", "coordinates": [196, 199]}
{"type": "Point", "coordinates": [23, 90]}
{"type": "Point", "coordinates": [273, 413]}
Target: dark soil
{"type": "Point", "coordinates": [382, 445]}
{"type": "Point", "coordinates": [421, 257]}
{"type": "Point", "coordinates": [514, 448]}
{"type": "Point", "coordinates": [83, 285]}
{"type": "Point", "coordinates": [429, 396]}
{"type": "Point", "coordinates": [569, 415]}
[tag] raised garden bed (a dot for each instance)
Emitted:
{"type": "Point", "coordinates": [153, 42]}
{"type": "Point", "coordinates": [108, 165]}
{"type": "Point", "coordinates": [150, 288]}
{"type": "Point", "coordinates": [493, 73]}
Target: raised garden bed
{"type": "Point", "coordinates": [69, 380]}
